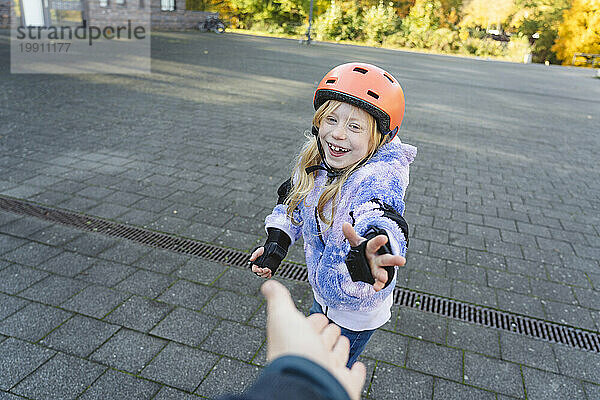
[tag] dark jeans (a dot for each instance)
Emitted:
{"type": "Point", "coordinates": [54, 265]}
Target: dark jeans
{"type": "Point", "coordinates": [358, 339]}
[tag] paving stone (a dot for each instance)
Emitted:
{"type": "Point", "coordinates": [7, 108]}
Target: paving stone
{"type": "Point", "coordinates": [429, 283]}
{"type": "Point", "coordinates": [200, 271]}
{"type": "Point", "coordinates": [421, 325]}
{"type": "Point", "coordinates": [180, 366]}
{"type": "Point", "coordinates": [588, 298]}
{"type": "Point", "coordinates": [9, 396]}
{"type": "Point", "coordinates": [128, 351]}
{"type": "Point", "coordinates": [508, 281]}
{"type": "Point", "coordinates": [138, 218]}
{"type": "Point", "coordinates": [473, 338]}
{"type": "Point", "coordinates": [145, 283]}
{"type": "Point", "coordinates": [91, 244]}
{"type": "Point", "coordinates": [568, 276]}
{"type": "Point", "coordinates": [108, 210]}
{"type": "Point", "coordinates": [570, 315]}
{"type": "Point", "coordinates": [8, 243]}
{"type": "Point", "coordinates": [481, 295]}
{"type": "Point", "coordinates": [95, 301]}
{"type": "Point", "coordinates": [229, 305]}
{"type": "Point", "coordinates": [63, 377]}
{"type": "Point", "coordinates": [123, 198]}
{"type": "Point", "coordinates": [229, 332]}
{"type": "Point", "coordinates": [31, 254]}
{"type": "Point", "coordinates": [19, 359]}
{"type": "Point", "coordinates": [485, 259]}
{"type": "Point", "coordinates": [467, 273]}
{"type": "Point", "coordinates": [16, 278]}
{"type": "Point", "coordinates": [542, 385]}
{"type": "Point", "coordinates": [427, 264]}
{"type": "Point", "coordinates": [520, 304]}
{"type": "Point", "coordinates": [188, 294]}
{"type": "Point", "coordinates": [10, 304]}
{"type": "Point", "coordinates": [448, 390]}
{"type": "Point", "coordinates": [79, 204]}
{"type": "Point", "coordinates": [238, 240]}
{"type": "Point", "coordinates": [523, 350]}
{"type": "Point", "coordinates": [495, 375]}
{"type": "Point", "coordinates": [525, 267]}
{"type": "Point", "coordinates": [24, 227]}
{"type": "Point", "coordinates": [228, 377]}
{"type": "Point", "coordinates": [67, 264]}
{"type": "Point", "coordinates": [552, 291]}
{"type": "Point", "coordinates": [139, 313]}
{"type": "Point", "coordinates": [185, 326]}
{"type": "Point", "coordinates": [388, 347]}
{"type": "Point", "coordinates": [33, 322]}
{"type": "Point", "coordinates": [434, 359]}
{"type": "Point", "coordinates": [54, 289]}
{"type": "Point", "coordinates": [56, 235]}
{"type": "Point", "coordinates": [205, 232]}
{"type": "Point", "coordinates": [448, 252]}
{"type": "Point", "coordinates": [592, 391]}
{"type": "Point", "coordinates": [117, 385]}
{"type": "Point", "coordinates": [240, 281]}
{"type": "Point", "coordinates": [162, 261]}
{"type": "Point", "coordinates": [7, 217]}
{"type": "Point", "coordinates": [106, 273]}
{"type": "Point", "coordinates": [390, 382]}
{"type": "Point", "coordinates": [125, 252]}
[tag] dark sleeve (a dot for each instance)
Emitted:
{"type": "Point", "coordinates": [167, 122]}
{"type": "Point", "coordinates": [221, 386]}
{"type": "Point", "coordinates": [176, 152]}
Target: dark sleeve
{"type": "Point", "coordinates": [293, 378]}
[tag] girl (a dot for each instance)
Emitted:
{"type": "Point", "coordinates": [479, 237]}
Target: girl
{"type": "Point", "coordinates": [346, 200]}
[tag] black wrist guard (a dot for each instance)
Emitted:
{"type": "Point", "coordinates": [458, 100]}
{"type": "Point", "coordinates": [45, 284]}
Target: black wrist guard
{"type": "Point", "coordinates": [357, 263]}
{"type": "Point", "coordinates": [276, 248]}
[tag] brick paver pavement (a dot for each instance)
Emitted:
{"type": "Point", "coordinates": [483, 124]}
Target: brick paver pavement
{"type": "Point", "coordinates": [503, 208]}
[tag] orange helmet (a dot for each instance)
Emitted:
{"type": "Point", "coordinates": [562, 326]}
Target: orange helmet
{"type": "Point", "coordinates": [368, 87]}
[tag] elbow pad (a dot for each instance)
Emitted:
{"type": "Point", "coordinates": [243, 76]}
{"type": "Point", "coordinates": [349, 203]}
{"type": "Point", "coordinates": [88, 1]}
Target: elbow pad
{"type": "Point", "coordinates": [357, 263]}
{"type": "Point", "coordinates": [276, 248]}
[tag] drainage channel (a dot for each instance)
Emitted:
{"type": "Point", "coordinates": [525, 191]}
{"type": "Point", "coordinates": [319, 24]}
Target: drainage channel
{"type": "Point", "coordinates": [483, 316]}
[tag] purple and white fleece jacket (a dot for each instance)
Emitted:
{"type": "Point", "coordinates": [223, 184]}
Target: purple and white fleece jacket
{"type": "Point", "coordinates": [385, 177]}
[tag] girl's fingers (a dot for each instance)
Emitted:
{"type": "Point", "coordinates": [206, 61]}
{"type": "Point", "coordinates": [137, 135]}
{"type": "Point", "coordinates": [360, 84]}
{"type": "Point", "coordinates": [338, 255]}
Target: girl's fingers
{"type": "Point", "coordinates": [374, 244]}
{"type": "Point", "coordinates": [388, 259]}
{"type": "Point", "coordinates": [257, 253]}
{"type": "Point", "coordinates": [351, 234]}
{"type": "Point", "coordinates": [378, 285]}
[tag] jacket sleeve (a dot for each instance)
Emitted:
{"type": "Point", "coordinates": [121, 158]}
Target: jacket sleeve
{"type": "Point", "coordinates": [279, 218]}
{"type": "Point", "coordinates": [372, 199]}
{"type": "Point", "coordinates": [293, 378]}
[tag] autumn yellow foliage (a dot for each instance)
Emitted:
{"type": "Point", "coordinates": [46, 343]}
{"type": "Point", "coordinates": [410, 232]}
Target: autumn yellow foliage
{"type": "Point", "coordinates": [580, 30]}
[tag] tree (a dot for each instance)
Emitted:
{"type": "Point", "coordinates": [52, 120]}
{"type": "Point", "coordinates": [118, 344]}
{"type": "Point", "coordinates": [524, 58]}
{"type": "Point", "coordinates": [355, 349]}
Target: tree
{"type": "Point", "coordinates": [424, 17]}
{"type": "Point", "coordinates": [580, 30]}
{"type": "Point", "coordinates": [541, 17]}
{"type": "Point", "coordinates": [485, 14]}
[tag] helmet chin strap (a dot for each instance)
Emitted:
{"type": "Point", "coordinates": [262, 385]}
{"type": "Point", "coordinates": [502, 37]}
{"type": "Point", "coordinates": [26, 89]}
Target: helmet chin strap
{"type": "Point", "coordinates": [332, 173]}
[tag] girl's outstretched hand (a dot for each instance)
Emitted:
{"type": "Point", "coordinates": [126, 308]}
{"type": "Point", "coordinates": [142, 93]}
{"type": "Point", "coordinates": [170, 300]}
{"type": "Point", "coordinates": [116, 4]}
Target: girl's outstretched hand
{"type": "Point", "coordinates": [376, 261]}
{"type": "Point", "coordinates": [262, 272]}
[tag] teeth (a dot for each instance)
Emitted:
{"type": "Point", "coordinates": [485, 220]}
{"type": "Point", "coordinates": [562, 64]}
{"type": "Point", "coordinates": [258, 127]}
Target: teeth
{"type": "Point", "coordinates": [335, 148]}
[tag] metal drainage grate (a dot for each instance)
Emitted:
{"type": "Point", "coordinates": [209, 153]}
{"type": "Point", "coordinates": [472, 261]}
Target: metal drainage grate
{"type": "Point", "coordinates": [532, 327]}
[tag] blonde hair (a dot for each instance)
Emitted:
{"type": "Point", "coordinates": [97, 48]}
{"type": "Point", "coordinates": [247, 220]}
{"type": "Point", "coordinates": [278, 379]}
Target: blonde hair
{"type": "Point", "coordinates": [309, 155]}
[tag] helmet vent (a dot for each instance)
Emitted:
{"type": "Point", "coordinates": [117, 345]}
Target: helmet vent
{"type": "Point", "coordinates": [389, 78]}
{"type": "Point", "coordinates": [372, 94]}
{"type": "Point", "coordinates": [330, 81]}
{"type": "Point", "coordinates": [361, 70]}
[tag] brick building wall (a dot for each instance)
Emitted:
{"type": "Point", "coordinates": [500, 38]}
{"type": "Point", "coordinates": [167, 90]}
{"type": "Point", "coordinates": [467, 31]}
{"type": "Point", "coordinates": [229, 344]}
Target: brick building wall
{"type": "Point", "coordinates": [113, 14]}
{"type": "Point", "coordinates": [179, 19]}
{"type": "Point", "coordinates": [5, 13]}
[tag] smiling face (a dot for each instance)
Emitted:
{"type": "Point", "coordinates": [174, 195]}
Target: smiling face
{"type": "Point", "coordinates": [345, 135]}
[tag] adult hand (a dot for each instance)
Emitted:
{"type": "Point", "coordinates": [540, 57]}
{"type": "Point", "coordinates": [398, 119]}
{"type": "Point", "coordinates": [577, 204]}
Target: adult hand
{"type": "Point", "coordinates": [376, 261]}
{"type": "Point", "coordinates": [290, 333]}
{"type": "Point", "coordinates": [262, 272]}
